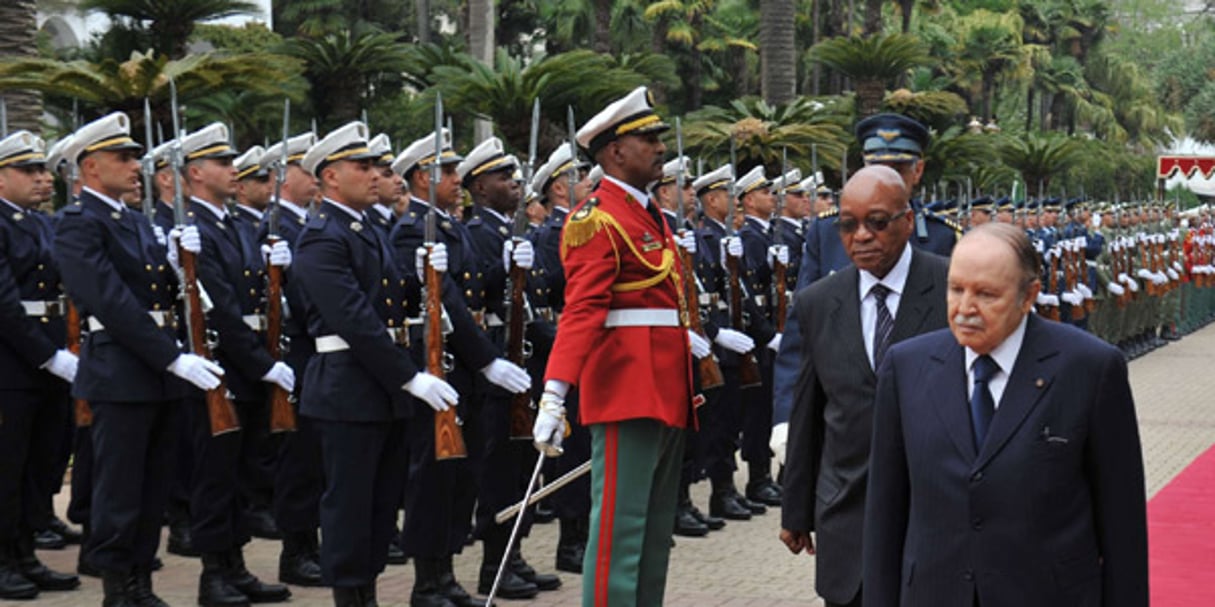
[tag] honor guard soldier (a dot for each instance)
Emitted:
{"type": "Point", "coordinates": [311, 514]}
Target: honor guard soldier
{"type": "Point", "coordinates": [382, 213]}
{"type": "Point", "coordinates": [358, 387]}
{"type": "Point", "coordinates": [487, 175]}
{"type": "Point", "coordinates": [253, 187]}
{"type": "Point", "coordinates": [441, 495]}
{"type": "Point", "coordinates": [794, 214]}
{"type": "Point", "coordinates": [298, 478]}
{"type": "Point", "coordinates": [163, 186]}
{"type": "Point", "coordinates": [823, 199]}
{"type": "Point", "coordinates": [36, 370]}
{"type": "Point", "coordinates": [572, 505]}
{"type": "Point", "coordinates": [664, 194]}
{"type": "Point", "coordinates": [231, 269]}
{"type": "Point", "coordinates": [625, 323]}
{"type": "Point", "coordinates": [118, 276]}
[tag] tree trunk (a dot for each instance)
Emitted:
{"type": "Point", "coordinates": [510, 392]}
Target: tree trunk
{"type": "Point", "coordinates": [481, 44]}
{"type": "Point", "coordinates": [869, 95]}
{"type": "Point", "coordinates": [777, 51]}
{"type": "Point", "coordinates": [18, 27]}
{"type": "Point", "coordinates": [989, 85]}
{"type": "Point", "coordinates": [907, 6]}
{"type": "Point", "coordinates": [603, 26]}
{"type": "Point", "coordinates": [421, 9]}
{"type": "Point", "coordinates": [817, 74]}
{"type": "Point", "coordinates": [1029, 109]}
{"type": "Point", "coordinates": [873, 17]}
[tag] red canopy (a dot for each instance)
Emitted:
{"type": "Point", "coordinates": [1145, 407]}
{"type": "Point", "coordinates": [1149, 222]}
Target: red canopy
{"type": "Point", "coordinates": [1166, 166]}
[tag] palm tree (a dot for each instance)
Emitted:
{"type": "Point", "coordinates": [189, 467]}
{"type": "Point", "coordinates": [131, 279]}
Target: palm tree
{"type": "Point", "coordinates": [170, 22]}
{"type": "Point", "coordinates": [343, 70]}
{"type": "Point", "coordinates": [17, 39]}
{"type": "Point", "coordinates": [1040, 157]}
{"type": "Point", "coordinates": [990, 48]}
{"type": "Point", "coordinates": [872, 62]}
{"type": "Point", "coordinates": [762, 131]}
{"type": "Point", "coordinates": [777, 50]}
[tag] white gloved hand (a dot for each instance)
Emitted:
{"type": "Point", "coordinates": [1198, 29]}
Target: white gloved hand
{"type": "Point", "coordinates": [1048, 300]}
{"type": "Point", "coordinates": [1123, 278]}
{"type": "Point", "coordinates": [62, 364]}
{"type": "Point", "coordinates": [438, 258]}
{"type": "Point", "coordinates": [1173, 275]}
{"type": "Point", "coordinates": [1133, 285]}
{"type": "Point", "coordinates": [778, 252]}
{"type": "Point", "coordinates": [734, 341]}
{"type": "Point", "coordinates": [779, 440]}
{"type": "Point", "coordinates": [1146, 274]}
{"type": "Point", "coordinates": [507, 375]}
{"type": "Point", "coordinates": [549, 430]}
{"type": "Point", "coordinates": [1115, 289]}
{"type": "Point", "coordinates": [1072, 298]}
{"type": "Point", "coordinates": [197, 370]}
{"type": "Point", "coordinates": [731, 246]}
{"type": "Point", "coordinates": [188, 237]}
{"type": "Point", "coordinates": [281, 375]}
{"type": "Point", "coordinates": [436, 393]}
{"type": "Point", "coordinates": [160, 235]}
{"type": "Point", "coordinates": [278, 254]}
{"type": "Point", "coordinates": [774, 344]}
{"type": "Point", "coordinates": [1177, 266]}
{"type": "Point", "coordinates": [521, 253]}
{"type": "Point", "coordinates": [700, 346]}
{"type": "Point", "coordinates": [687, 240]}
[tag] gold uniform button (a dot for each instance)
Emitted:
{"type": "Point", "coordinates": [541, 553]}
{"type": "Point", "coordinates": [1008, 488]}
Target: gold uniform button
{"type": "Point", "coordinates": [44, 320]}
{"type": "Point", "coordinates": [248, 273]}
{"type": "Point", "coordinates": [41, 266]}
{"type": "Point", "coordinates": [160, 268]}
{"type": "Point", "coordinates": [388, 301]}
{"type": "Point", "coordinates": [468, 293]}
{"type": "Point", "coordinates": [390, 322]}
{"type": "Point", "coordinates": [155, 306]}
{"type": "Point", "coordinates": [148, 267]}
{"type": "Point", "coordinates": [467, 276]}
{"type": "Point", "coordinates": [384, 282]}
{"type": "Point", "coordinates": [41, 285]}
{"type": "Point", "coordinates": [253, 292]}
{"type": "Point", "coordinates": [154, 286]}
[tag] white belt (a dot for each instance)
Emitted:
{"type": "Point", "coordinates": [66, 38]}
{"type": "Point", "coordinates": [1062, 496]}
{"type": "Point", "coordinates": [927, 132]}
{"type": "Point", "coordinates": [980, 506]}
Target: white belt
{"type": "Point", "coordinates": [326, 344]}
{"type": "Point", "coordinates": [257, 322]}
{"type": "Point", "coordinates": [160, 317]}
{"type": "Point", "coordinates": [493, 320]}
{"type": "Point", "coordinates": [642, 317]}
{"type": "Point", "coordinates": [43, 308]}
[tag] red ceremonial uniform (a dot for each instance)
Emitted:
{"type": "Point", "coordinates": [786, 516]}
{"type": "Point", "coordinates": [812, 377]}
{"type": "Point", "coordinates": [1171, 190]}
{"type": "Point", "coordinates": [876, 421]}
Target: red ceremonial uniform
{"type": "Point", "coordinates": [617, 257]}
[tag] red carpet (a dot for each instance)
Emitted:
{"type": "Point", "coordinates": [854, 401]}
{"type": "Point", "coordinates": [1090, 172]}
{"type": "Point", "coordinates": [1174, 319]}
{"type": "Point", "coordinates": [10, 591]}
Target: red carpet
{"type": "Point", "coordinates": [1181, 537]}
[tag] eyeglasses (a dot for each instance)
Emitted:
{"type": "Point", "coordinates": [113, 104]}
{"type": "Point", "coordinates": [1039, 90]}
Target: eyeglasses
{"type": "Point", "coordinates": [874, 223]}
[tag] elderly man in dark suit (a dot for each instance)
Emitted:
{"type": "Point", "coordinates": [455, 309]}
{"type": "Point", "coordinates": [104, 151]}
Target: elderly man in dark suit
{"type": "Point", "coordinates": [1006, 465]}
{"type": "Point", "coordinates": [848, 319]}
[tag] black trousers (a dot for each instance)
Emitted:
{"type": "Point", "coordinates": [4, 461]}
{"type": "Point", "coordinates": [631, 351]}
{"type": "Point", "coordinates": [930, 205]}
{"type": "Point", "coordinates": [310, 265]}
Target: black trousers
{"type": "Point", "coordinates": [219, 478]}
{"type": "Point", "coordinates": [133, 449]}
{"type": "Point", "coordinates": [31, 430]}
{"type": "Point", "coordinates": [298, 479]}
{"type": "Point", "coordinates": [720, 424]}
{"type": "Point", "coordinates": [82, 475]}
{"type": "Point", "coordinates": [179, 489]}
{"type": "Point", "coordinates": [365, 467]}
{"type": "Point", "coordinates": [757, 416]}
{"type": "Point", "coordinates": [507, 468]}
{"type": "Point", "coordinates": [440, 495]}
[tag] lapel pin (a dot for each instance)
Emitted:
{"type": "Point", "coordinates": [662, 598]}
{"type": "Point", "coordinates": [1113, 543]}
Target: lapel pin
{"type": "Point", "coordinates": [446, 225]}
{"type": "Point", "coordinates": [220, 225]}
{"type": "Point", "coordinates": [356, 226]}
{"type": "Point", "coordinates": [1040, 382]}
{"type": "Point", "coordinates": [18, 216]}
{"type": "Point", "coordinates": [502, 230]}
{"type": "Point", "coordinates": [116, 215]}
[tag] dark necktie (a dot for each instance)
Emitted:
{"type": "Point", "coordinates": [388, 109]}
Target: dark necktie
{"type": "Point", "coordinates": [883, 326]}
{"type": "Point", "coordinates": [982, 406]}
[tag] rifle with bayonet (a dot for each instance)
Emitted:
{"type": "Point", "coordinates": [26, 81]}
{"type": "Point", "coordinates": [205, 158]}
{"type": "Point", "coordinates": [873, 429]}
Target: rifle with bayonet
{"type": "Point", "coordinates": [282, 414]}
{"type": "Point", "coordinates": [748, 368]}
{"type": "Point", "coordinates": [522, 415]}
{"type": "Point", "coordinates": [220, 411]}
{"type": "Point", "coordinates": [449, 438]}
{"type": "Point", "coordinates": [81, 409]}
{"type": "Point", "coordinates": [780, 294]}
{"type": "Point", "coordinates": [710, 372]}
{"type": "Point", "coordinates": [147, 164]}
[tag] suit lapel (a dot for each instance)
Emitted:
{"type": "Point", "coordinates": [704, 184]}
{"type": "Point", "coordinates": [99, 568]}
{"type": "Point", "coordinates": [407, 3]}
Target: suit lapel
{"type": "Point", "coordinates": [1031, 378]}
{"type": "Point", "coordinates": [950, 400]}
{"type": "Point", "coordinates": [916, 302]}
{"type": "Point", "coordinates": [846, 315]}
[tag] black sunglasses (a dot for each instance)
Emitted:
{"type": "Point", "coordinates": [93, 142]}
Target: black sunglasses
{"type": "Point", "coordinates": [874, 223]}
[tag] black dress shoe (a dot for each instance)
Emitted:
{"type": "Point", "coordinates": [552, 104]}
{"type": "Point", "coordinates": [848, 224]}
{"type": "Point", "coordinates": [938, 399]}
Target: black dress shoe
{"type": "Point", "coordinates": [428, 590]}
{"type": "Point", "coordinates": [49, 540]}
{"type": "Point", "coordinates": [569, 557]}
{"type": "Point", "coordinates": [116, 587]}
{"type": "Point", "coordinates": [181, 540]}
{"type": "Point", "coordinates": [510, 587]}
{"type": "Point", "coordinates": [396, 556]}
{"type": "Point", "coordinates": [756, 508]}
{"type": "Point", "coordinates": [724, 505]}
{"type": "Point", "coordinates": [44, 578]}
{"type": "Point", "coordinates": [256, 590]}
{"type": "Point", "coordinates": [68, 534]}
{"type": "Point", "coordinates": [543, 581]}
{"type": "Point", "coordinates": [139, 588]}
{"type": "Point", "coordinates": [261, 524]}
{"type": "Point", "coordinates": [213, 587]}
{"type": "Point", "coordinates": [84, 567]}
{"type": "Point", "coordinates": [687, 525]}
{"type": "Point", "coordinates": [157, 564]}
{"type": "Point", "coordinates": [764, 491]}
{"type": "Point", "coordinates": [299, 568]}
{"type": "Point", "coordinates": [712, 522]}
{"type": "Point", "coordinates": [14, 585]}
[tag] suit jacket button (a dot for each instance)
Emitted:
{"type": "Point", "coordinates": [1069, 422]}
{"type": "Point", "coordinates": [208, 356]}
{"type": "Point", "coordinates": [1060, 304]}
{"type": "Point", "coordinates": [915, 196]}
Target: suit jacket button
{"type": "Point", "coordinates": [968, 575]}
{"type": "Point", "coordinates": [977, 523]}
{"type": "Point", "coordinates": [977, 477]}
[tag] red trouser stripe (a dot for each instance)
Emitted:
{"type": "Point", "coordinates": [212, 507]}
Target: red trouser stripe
{"type": "Point", "coordinates": [607, 515]}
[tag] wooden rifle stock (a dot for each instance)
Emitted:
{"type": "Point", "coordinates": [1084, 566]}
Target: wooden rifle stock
{"type": "Point", "coordinates": [710, 371]}
{"type": "Point", "coordinates": [449, 439]}
{"type": "Point", "coordinates": [83, 412]}
{"type": "Point", "coordinates": [521, 411]}
{"type": "Point", "coordinates": [748, 369]}
{"type": "Point", "coordinates": [282, 414]}
{"type": "Point", "coordinates": [1071, 275]}
{"type": "Point", "coordinates": [220, 410]}
{"type": "Point", "coordinates": [1052, 285]}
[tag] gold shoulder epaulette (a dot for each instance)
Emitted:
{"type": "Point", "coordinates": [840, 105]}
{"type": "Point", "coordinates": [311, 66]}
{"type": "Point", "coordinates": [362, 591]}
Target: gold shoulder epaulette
{"type": "Point", "coordinates": [953, 225]}
{"type": "Point", "coordinates": [829, 213]}
{"type": "Point", "coordinates": [583, 224]}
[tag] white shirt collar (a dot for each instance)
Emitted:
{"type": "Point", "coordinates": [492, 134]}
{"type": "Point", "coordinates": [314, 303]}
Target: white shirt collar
{"type": "Point", "coordinates": [503, 218]}
{"type": "Point", "coordinates": [294, 208]}
{"type": "Point", "coordinates": [220, 212]}
{"type": "Point", "coordinates": [720, 224]}
{"type": "Point", "coordinates": [1004, 354]}
{"type": "Point", "coordinates": [895, 279]}
{"type": "Point", "coordinates": [641, 197]}
{"type": "Point", "coordinates": [250, 210]}
{"type": "Point", "coordinates": [118, 206]}
{"type": "Point", "coordinates": [762, 222]}
{"type": "Point", "coordinates": [384, 211]}
{"type": "Point", "coordinates": [442, 213]}
{"type": "Point", "coordinates": [349, 211]}
{"type": "Point", "coordinates": [797, 223]}
{"type": "Point", "coordinates": [13, 205]}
